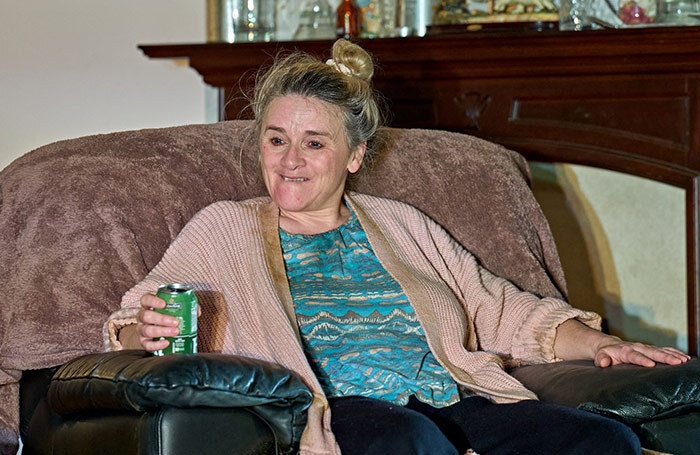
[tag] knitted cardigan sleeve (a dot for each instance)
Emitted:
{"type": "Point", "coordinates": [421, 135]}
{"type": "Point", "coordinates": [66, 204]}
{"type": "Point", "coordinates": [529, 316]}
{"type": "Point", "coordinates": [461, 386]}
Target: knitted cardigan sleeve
{"type": "Point", "coordinates": [509, 322]}
{"type": "Point", "coordinates": [187, 260]}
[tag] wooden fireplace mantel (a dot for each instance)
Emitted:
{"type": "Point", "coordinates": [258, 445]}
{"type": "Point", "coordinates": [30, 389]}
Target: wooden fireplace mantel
{"type": "Point", "coordinates": [625, 100]}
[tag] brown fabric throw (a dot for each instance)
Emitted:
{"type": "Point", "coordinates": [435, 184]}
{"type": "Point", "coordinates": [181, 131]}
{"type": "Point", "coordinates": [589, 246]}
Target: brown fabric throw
{"type": "Point", "coordinates": [81, 221]}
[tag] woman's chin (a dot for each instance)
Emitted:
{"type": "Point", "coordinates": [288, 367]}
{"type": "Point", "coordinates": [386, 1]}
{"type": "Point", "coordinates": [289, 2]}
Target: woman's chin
{"type": "Point", "coordinates": [290, 204]}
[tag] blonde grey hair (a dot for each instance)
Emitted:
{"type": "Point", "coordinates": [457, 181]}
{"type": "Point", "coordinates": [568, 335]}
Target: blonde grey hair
{"type": "Point", "coordinates": [303, 75]}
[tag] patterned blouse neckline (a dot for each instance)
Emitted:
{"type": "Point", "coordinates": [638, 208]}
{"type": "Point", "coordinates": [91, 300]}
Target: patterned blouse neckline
{"type": "Point", "coordinates": [350, 223]}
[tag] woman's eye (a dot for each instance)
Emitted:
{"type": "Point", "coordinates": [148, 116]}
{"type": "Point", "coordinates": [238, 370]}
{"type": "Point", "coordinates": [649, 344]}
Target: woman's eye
{"type": "Point", "coordinates": [315, 144]}
{"type": "Point", "coordinates": [276, 141]}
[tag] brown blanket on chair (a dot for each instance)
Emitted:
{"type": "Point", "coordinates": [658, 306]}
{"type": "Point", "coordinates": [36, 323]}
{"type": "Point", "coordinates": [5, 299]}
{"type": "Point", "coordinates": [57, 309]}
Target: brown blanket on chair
{"type": "Point", "coordinates": [83, 220]}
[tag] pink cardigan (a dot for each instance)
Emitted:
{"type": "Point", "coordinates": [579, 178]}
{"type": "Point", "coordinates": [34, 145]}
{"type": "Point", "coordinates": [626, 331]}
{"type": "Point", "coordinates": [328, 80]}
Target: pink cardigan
{"type": "Point", "coordinates": [475, 323]}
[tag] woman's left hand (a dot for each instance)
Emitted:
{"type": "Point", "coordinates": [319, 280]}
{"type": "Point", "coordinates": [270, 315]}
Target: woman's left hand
{"type": "Point", "coordinates": [575, 340]}
{"type": "Point", "coordinates": [616, 352]}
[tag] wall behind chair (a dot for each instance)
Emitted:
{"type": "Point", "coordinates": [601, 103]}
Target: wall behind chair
{"type": "Point", "coordinates": [621, 240]}
{"type": "Point", "coordinates": [71, 68]}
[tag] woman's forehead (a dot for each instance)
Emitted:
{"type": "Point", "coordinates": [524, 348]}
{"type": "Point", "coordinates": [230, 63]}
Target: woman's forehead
{"type": "Point", "coordinates": [302, 114]}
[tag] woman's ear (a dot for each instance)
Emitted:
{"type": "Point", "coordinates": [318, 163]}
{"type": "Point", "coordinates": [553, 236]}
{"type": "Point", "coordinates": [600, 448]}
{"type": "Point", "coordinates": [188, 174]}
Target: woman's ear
{"type": "Point", "coordinates": [356, 157]}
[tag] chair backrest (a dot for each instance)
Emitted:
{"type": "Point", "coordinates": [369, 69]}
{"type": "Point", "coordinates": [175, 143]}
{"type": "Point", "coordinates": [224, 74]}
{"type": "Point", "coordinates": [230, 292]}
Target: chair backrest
{"type": "Point", "coordinates": [83, 220]}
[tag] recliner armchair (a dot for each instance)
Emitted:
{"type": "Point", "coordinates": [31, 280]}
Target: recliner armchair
{"type": "Point", "coordinates": [133, 402]}
{"type": "Point", "coordinates": [82, 220]}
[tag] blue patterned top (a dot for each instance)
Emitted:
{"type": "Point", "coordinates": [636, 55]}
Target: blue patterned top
{"type": "Point", "coordinates": [359, 331]}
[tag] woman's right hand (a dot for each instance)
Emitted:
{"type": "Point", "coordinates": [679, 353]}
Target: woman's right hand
{"type": "Point", "coordinates": [151, 324]}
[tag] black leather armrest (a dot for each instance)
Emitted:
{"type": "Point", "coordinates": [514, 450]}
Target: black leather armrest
{"type": "Point", "coordinates": [32, 389]}
{"type": "Point", "coordinates": [628, 393]}
{"type": "Point", "coordinates": [138, 381]}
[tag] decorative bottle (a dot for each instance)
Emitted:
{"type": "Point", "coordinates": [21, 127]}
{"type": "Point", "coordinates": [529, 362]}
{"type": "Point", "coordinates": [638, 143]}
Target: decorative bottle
{"type": "Point", "coordinates": [347, 24]}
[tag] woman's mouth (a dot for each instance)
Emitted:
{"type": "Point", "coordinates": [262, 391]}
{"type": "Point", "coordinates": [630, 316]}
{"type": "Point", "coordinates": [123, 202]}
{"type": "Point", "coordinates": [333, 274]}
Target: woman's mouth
{"type": "Point", "coordinates": [294, 179]}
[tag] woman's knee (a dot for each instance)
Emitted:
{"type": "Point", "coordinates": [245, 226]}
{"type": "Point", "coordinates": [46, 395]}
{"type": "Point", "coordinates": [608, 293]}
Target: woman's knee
{"type": "Point", "coordinates": [608, 436]}
{"type": "Point", "coordinates": [365, 427]}
{"type": "Point", "coordinates": [412, 434]}
{"type": "Point", "coordinates": [539, 427]}
{"type": "Point", "coordinates": [586, 432]}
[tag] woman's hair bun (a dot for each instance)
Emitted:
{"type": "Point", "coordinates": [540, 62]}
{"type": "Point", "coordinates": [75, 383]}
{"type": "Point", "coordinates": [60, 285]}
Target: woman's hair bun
{"type": "Point", "coordinates": [356, 59]}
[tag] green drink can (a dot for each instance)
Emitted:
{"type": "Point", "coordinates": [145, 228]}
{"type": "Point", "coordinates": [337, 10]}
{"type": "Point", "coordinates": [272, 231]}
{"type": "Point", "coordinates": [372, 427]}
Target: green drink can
{"type": "Point", "coordinates": [180, 302]}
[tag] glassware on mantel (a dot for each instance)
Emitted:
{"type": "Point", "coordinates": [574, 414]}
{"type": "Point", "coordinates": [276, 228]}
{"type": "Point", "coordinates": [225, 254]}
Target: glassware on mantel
{"type": "Point", "coordinates": [575, 15]}
{"type": "Point", "coordinates": [414, 16]}
{"type": "Point", "coordinates": [587, 14]}
{"type": "Point", "coordinates": [244, 20]}
{"type": "Point", "coordinates": [679, 12]}
{"type": "Point", "coordinates": [315, 21]}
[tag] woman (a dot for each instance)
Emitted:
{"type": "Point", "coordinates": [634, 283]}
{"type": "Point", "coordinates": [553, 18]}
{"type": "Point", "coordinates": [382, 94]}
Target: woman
{"type": "Point", "coordinates": [392, 325]}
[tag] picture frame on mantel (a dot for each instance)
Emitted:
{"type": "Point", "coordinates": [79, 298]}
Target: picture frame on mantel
{"type": "Point", "coordinates": [455, 15]}
{"type": "Point", "coordinates": [458, 15]}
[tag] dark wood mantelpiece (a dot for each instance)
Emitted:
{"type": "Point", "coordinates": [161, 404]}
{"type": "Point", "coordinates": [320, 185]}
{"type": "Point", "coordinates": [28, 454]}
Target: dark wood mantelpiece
{"type": "Point", "coordinates": [545, 53]}
{"type": "Point", "coordinates": [508, 85]}
{"type": "Point", "coordinates": [625, 100]}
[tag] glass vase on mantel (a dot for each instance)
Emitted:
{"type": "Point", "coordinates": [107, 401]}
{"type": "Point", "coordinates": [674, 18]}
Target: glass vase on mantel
{"type": "Point", "coordinates": [316, 21]}
{"type": "Point", "coordinates": [235, 21]}
{"type": "Point", "coordinates": [413, 16]}
{"type": "Point", "coordinates": [678, 12]}
{"type": "Point", "coordinates": [575, 15]}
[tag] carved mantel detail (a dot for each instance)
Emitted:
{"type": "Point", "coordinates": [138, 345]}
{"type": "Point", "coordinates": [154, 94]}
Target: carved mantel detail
{"type": "Point", "coordinates": [472, 105]}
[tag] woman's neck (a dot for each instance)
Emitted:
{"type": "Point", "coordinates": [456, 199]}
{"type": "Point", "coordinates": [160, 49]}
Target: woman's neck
{"type": "Point", "coordinates": [310, 223]}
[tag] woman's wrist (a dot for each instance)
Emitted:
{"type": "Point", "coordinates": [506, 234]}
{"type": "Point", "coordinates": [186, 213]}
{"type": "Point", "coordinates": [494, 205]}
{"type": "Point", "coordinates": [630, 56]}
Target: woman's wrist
{"type": "Point", "coordinates": [575, 341]}
{"type": "Point", "coordinates": [128, 337]}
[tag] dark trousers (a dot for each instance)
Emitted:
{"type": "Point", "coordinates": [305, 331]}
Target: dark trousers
{"type": "Point", "coordinates": [367, 426]}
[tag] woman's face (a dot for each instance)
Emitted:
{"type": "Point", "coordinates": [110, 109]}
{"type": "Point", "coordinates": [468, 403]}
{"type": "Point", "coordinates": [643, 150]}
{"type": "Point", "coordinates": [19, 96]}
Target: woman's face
{"type": "Point", "coordinates": [305, 156]}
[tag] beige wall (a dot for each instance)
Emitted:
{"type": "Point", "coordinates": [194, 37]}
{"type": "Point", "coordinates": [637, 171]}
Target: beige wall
{"type": "Point", "coordinates": [71, 68]}
{"type": "Point", "coordinates": [622, 243]}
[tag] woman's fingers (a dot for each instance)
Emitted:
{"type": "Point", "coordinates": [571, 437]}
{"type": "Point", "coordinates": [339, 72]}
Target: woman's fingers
{"type": "Point", "coordinates": [629, 353]}
{"type": "Point", "coordinates": [644, 358]}
{"type": "Point", "coordinates": [150, 317]}
{"type": "Point", "coordinates": [155, 331]}
{"type": "Point", "coordinates": [670, 356]}
{"type": "Point", "coordinates": [678, 354]}
{"type": "Point", "coordinates": [151, 345]}
{"type": "Point", "coordinates": [602, 360]}
{"type": "Point", "coordinates": [152, 325]}
{"type": "Point", "coordinates": [638, 354]}
{"type": "Point", "coordinates": [150, 301]}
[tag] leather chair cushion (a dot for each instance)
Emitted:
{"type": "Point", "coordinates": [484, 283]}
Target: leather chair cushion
{"type": "Point", "coordinates": [32, 389]}
{"type": "Point", "coordinates": [628, 393]}
{"type": "Point", "coordinates": [138, 381]}
{"type": "Point", "coordinates": [169, 431]}
{"type": "Point", "coordinates": [679, 434]}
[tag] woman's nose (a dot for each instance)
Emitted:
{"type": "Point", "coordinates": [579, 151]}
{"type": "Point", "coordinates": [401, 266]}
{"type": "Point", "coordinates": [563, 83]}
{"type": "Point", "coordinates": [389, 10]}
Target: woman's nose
{"type": "Point", "coordinates": [292, 158]}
